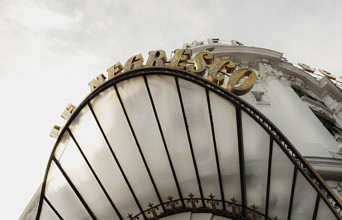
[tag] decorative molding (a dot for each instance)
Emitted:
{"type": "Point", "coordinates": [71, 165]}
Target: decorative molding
{"type": "Point", "coordinates": [267, 73]}
{"type": "Point", "coordinates": [319, 109]}
{"type": "Point", "coordinates": [229, 209]}
{"type": "Point", "coordinates": [297, 82]}
{"type": "Point", "coordinates": [320, 87]}
{"type": "Point", "coordinates": [334, 105]}
{"type": "Point", "coordinates": [328, 168]}
{"type": "Point", "coordinates": [244, 64]}
{"type": "Point", "coordinates": [259, 94]}
{"type": "Point", "coordinates": [317, 104]}
{"type": "Point", "coordinates": [252, 54]}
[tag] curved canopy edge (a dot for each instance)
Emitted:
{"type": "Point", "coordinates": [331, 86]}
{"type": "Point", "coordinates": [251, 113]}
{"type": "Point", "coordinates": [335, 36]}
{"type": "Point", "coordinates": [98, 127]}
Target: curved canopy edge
{"type": "Point", "coordinates": [296, 158]}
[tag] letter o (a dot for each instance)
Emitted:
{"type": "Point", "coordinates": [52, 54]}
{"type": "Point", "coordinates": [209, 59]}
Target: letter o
{"type": "Point", "coordinates": [238, 87]}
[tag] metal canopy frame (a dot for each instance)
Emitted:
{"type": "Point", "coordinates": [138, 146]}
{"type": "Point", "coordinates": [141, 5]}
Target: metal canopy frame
{"type": "Point", "coordinates": [208, 203]}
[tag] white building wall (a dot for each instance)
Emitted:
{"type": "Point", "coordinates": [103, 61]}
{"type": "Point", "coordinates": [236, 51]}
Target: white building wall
{"type": "Point", "coordinates": [294, 118]}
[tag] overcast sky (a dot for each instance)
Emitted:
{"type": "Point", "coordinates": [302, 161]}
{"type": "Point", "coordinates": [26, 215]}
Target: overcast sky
{"type": "Point", "coordinates": [50, 50]}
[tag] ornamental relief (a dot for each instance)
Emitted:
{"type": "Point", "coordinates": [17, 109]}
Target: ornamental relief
{"type": "Point", "coordinates": [267, 73]}
{"type": "Point", "coordinates": [230, 209]}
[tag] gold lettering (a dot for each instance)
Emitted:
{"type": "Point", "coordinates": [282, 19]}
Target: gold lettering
{"type": "Point", "coordinates": [68, 111]}
{"type": "Point", "coordinates": [114, 70]}
{"type": "Point", "coordinates": [202, 59]}
{"type": "Point", "coordinates": [56, 130]}
{"type": "Point", "coordinates": [241, 81]}
{"type": "Point", "coordinates": [180, 58]}
{"type": "Point", "coordinates": [215, 71]}
{"type": "Point", "coordinates": [156, 58]}
{"type": "Point", "coordinates": [95, 83]}
{"type": "Point", "coordinates": [306, 67]}
{"type": "Point", "coordinates": [327, 74]}
{"type": "Point", "coordinates": [134, 62]}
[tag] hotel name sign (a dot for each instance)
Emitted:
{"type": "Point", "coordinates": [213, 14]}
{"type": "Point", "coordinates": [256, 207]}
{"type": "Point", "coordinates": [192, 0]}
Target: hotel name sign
{"type": "Point", "coordinates": [215, 70]}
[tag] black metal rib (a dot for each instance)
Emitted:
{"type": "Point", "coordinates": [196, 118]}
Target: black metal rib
{"type": "Point", "coordinates": [190, 144]}
{"type": "Point", "coordinates": [117, 162]}
{"type": "Point", "coordinates": [241, 160]}
{"type": "Point", "coordinates": [270, 151]}
{"type": "Point", "coordinates": [164, 142]}
{"type": "Point", "coordinates": [333, 202]}
{"type": "Point", "coordinates": [139, 148]}
{"type": "Point", "coordinates": [41, 199]}
{"type": "Point", "coordinates": [314, 216]}
{"type": "Point", "coordinates": [292, 192]}
{"type": "Point", "coordinates": [215, 149]}
{"type": "Point", "coordinates": [74, 188]}
{"type": "Point", "coordinates": [94, 174]}
{"type": "Point", "coordinates": [52, 207]}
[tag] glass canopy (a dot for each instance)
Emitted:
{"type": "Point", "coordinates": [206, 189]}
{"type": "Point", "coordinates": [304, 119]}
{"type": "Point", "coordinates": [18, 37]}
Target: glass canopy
{"type": "Point", "coordinates": [158, 142]}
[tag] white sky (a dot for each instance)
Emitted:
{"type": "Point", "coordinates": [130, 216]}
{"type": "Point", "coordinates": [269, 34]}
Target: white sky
{"type": "Point", "coordinates": [50, 50]}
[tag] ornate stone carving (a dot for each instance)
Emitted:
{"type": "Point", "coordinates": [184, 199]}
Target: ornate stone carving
{"type": "Point", "coordinates": [259, 93]}
{"type": "Point", "coordinates": [335, 106]}
{"type": "Point", "coordinates": [267, 73]}
{"type": "Point", "coordinates": [298, 82]}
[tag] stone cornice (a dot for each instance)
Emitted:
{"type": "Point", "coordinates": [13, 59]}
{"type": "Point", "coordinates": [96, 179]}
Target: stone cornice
{"type": "Point", "coordinates": [323, 88]}
{"type": "Point", "coordinates": [320, 87]}
{"type": "Point", "coordinates": [256, 55]}
{"type": "Point", "coordinates": [242, 53]}
{"type": "Point", "coordinates": [328, 168]}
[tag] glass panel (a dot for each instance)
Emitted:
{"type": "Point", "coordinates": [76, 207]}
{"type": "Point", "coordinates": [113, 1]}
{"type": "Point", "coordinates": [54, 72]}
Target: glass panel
{"type": "Point", "coordinates": [227, 145]}
{"type": "Point", "coordinates": [113, 121]}
{"type": "Point", "coordinates": [201, 216]}
{"type": "Point", "coordinates": [304, 199]}
{"type": "Point", "coordinates": [165, 96]}
{"type": "Point", "coordinates": [139, 109]}
{"type": "Point", "coordinates": [180, 216]}
{"type": "Point", "coordinates": [89, 137]}
{"type": "Point", "coordinates": [60, 194]}
{"type": "Point", "coordinates": [46, 213]}
{"type": "Point", "coordinates": [281, 183]}
{"type": "Point", "coordinates": [256, 147]}
{"type": "Point", "coordinates": [216, 217]}
{"type": "Point", "coordinates": [197, 116]}
{"type": "Point", "coordinates": [63, 143]}
{"type": "Point", "coordinates": [82, 178]}
{"type": "Point", "coordinates": [324, 212]}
